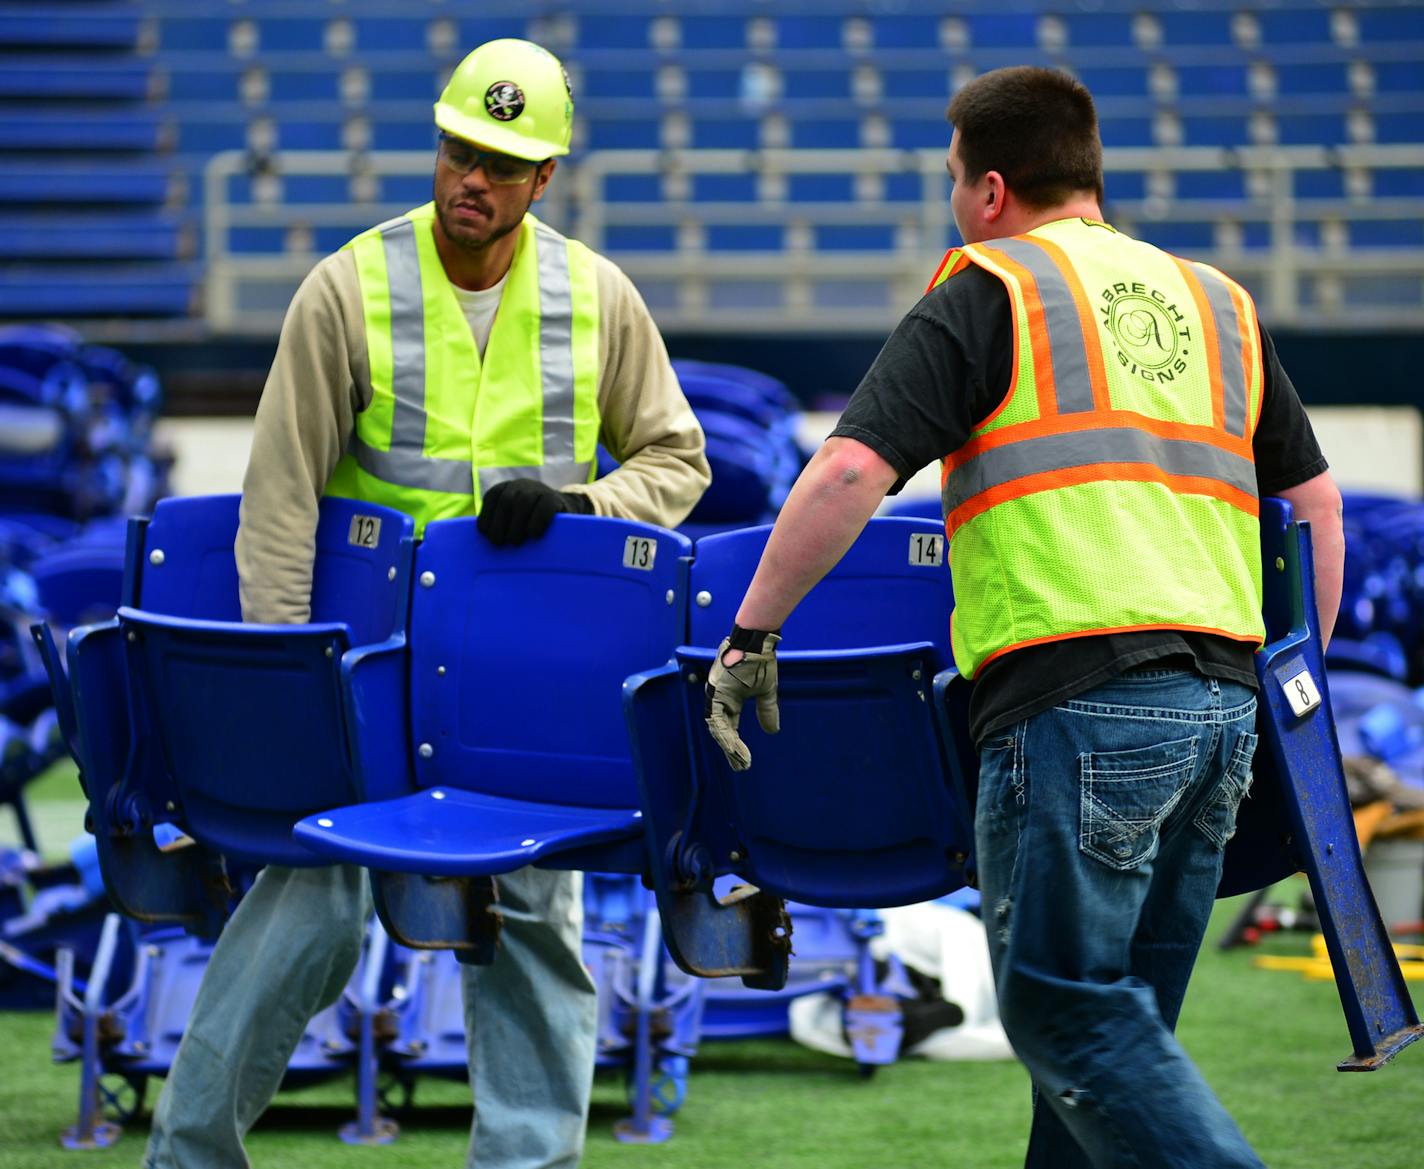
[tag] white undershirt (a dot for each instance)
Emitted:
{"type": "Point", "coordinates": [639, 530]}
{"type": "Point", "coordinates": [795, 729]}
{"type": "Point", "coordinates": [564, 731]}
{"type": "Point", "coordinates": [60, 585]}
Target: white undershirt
{"type": "Point", "coordinates": [479, 307]}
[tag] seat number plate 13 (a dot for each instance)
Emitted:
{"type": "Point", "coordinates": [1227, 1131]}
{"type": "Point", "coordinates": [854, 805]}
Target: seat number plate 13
{"type": "Point", "coordinates": [1302, 693]}
{"type": "Point", "coordinates": [640, 552]}
{"type": "Point", "coordinates": [365, 531]}
{"type": "Point", "coordinates": [927, 548]}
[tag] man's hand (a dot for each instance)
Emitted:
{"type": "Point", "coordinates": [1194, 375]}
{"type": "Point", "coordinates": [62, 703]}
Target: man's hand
{"type": "Point", "coordinates": [518, 510]}
{"type": "Point", "coordinates": [745, 668]}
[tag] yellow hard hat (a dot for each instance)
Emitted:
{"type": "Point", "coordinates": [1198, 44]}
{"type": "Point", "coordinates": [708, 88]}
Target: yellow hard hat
{"type": "Point", "coordinates": [511, 96]}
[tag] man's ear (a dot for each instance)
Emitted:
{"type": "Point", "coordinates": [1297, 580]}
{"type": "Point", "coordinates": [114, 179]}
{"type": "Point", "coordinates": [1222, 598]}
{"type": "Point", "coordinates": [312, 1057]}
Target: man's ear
{"type": "Point", "coordinates": [996, 194]}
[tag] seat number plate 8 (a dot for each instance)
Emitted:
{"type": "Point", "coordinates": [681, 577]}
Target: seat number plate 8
{"type": "Point", "coordinates": [1301, 693]}
{"type": "Point", "coordinates": [365, 531]}
{"type": "Point", "coordinates": [639, 552]}
{"type": "Point", "coordinates": [927, 548]}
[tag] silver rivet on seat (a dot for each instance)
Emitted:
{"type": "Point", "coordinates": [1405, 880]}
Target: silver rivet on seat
{"type": "Point", "coordinates": [323, 823]}
{"type": "Point", "coordinates": [704, 598]}
{"type": "Point", "coordinates": [156, 556]}
{"type": "Point", "coordinates": [527, 843]}
{"type": "Point", "coordinates": [330, 652]}
{"type": "Point", "coordinates": [437, 794]}
{"type": "Point", "coordinates": [427, 578]}
{"type": "Point", "coordinates": [426, 750]}
{"type": "Point", "coordinates": [670, 596]}
{"type": "Point", "coordinates": [391, 572]}
{"type": "Point", "coordinates": [440, 670]}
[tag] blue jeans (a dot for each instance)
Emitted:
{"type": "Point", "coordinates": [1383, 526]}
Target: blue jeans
{"type": "Point", "coordinates": [1100, 829]}
{"type": "Point", "coordinates": [530, 1019]}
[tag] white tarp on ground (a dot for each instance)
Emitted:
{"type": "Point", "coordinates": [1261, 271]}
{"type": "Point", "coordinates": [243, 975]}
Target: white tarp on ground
{"type": "Point", "coordinates": [946, 944]}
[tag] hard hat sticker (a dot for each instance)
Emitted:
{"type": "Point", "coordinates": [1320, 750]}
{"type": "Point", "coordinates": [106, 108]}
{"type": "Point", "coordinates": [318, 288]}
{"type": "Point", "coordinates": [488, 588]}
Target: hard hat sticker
{"type": "Point", "coordinates": [504, 101]}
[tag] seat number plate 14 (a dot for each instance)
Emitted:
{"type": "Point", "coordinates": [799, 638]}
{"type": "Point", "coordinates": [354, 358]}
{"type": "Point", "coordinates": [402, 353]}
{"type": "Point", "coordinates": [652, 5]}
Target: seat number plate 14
{"type": "Point", "coordinates": [927, 549]}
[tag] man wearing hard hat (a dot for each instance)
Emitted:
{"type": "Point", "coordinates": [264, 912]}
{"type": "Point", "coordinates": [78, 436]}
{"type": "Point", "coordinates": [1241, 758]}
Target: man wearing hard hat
{"type": "Point", "coordinates": [461, 359]}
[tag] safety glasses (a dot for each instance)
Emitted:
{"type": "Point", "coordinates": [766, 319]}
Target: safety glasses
{"type": "Point", "coordinates": [503, 169]}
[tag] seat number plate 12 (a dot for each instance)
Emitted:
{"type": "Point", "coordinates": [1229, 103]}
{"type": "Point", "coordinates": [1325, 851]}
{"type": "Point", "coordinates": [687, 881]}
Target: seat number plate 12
{"type": "Point", "coordinates": [1302, 693]}
{"type": "Point", "coordinates": [365, 531]}
{"type": "Point", "coordinates": [927, 548]}
{"type": "Point", "coordinates": [640, 552]}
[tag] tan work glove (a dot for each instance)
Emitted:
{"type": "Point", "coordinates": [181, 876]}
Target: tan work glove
{"type": "Point", "coordinates": [729, 687]}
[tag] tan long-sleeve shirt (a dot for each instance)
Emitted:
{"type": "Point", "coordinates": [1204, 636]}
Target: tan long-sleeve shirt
{"type": "Point", "coordinates": [320, 380]}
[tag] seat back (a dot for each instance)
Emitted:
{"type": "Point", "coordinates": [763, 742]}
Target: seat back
{"type": "Point", "coordinates": [891, 587]}
{"type": "Point", "coordinates": [245, 723]}
{"type": "Point", "coordinates": [852, 802]}
{"type": "Point", "coordinates": [181, 563]}
{"type": "Point", "coordinates": [515, 691]}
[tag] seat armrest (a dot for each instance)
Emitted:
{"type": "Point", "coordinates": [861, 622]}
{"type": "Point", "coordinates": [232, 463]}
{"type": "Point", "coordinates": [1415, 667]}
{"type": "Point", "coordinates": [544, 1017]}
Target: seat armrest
{"type": "Point", "coordinates": [375, 688]}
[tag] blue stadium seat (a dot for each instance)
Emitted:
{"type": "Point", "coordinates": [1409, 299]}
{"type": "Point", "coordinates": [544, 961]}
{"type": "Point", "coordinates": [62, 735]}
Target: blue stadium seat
{"type": "Point", "coordinates": [743, 237]}
{"type": "Point", "coordinates": [712, 31]}
{"type": "Point", "coordinates": [613, 31]}
{"type": "Point", "coordinates": [1398, 76]}
{"type": "Point", "coordinates": [118, 237]}
{"type": "Point", "coordinates": [714, 84]}
{"type": "Point", "coordinates": [182, 711]}
{"type": "Point", "coordinates": [69, 291]}
{"type": "Point", "coordinates": [102, 131]}
{"type": "Point", "coordinates": [1224, 79]}
{"type": "Point", "coordinates": [1229, 185]}
{"type": "Point", "coordinates": [819, 84]}
{"type": "Point", "coordinates": [1108, 82]}
{"type": "Point", "coordinates": [1093, 30]}
{"type": "Point", "coordinates": [73, 78]}
{"type": "Point", "coordinates": [608, 133]}
{"type": "Point", "coordinates": [1293, 26]}
{"type": "Point", "coordinates": [722, 188]}
{"type": "Point", "coordinates": [1195, 28]}
{"type": "Point", "coordinates": [1220, 130]}
{"type": "Point", "coordinates": [195, 31]}
{"type": "Point", "coordinates": [90, 26]}
{"type": "Point", "coordinates": [490, 775]}
{"type": "Point", "coordinates": [617, 83]}
{"type": "Point", "coordinates": [1383, 25]}
{"type": "Point", "coordinates": [812, 132]}
{"type": "Point", "coordinates": [904, 30]}
{"type": "Point", "coordinates": [808, 32]}
{"type": "Point", "coordinates": [1328, 77]}
{"type": "Point", "coordinates": [1016, 30]}
{"type": "Point", "coordinates": [831, 840]}
{"type": "Point", "coordinates": [66, 182]}
{"type": "Point", "coordinates": [725, 133]}
{"type": "Point", "coordinates": [1126, 131]}
{"type": "Point", "coordinates": [820, 188]}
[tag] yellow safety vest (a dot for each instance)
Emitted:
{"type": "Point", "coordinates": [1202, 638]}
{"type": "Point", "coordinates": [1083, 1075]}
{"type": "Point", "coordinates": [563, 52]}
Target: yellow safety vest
{"type": "Point", "coordinates": [1114, 489]}
{"type": "Point", "coordinates": [443, 426]}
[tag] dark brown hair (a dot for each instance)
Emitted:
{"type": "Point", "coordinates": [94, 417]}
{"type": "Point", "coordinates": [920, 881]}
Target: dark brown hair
{"type": "Point", "coordinates": [1036, 127]}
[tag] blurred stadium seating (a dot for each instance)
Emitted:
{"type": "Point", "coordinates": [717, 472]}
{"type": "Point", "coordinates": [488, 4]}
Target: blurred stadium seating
{"type": "Point", "coordinates": [753, 167]}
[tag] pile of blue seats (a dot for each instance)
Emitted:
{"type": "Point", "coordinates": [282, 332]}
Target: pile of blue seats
{"type": "Point", "coordinates": [76, 452]}
{"type": "Point", "coordinates": [749, 418]}
{"type": "Point", "coordinates": [1377, 656]}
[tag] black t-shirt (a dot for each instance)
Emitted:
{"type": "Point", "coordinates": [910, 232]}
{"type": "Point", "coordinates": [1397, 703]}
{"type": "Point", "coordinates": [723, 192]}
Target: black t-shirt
{"type": "Point", "coordinates": [947, 366]}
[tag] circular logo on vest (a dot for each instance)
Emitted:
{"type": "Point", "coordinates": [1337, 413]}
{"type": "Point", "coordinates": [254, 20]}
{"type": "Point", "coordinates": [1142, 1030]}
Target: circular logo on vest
{"type": "Point", "coordinates": [1150, 332]}
{"type": "Point", "coordinates": [504, 101]}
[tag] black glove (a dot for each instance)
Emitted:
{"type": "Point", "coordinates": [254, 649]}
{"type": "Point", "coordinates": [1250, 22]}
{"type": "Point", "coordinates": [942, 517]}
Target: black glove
{"type": "Point", "coordinates": [522, 509]}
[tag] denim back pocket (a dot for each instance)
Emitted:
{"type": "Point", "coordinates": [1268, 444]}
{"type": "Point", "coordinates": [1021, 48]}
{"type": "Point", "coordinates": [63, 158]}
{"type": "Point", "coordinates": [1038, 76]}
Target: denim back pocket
{"type": "Point", "coordinates": [1127, 795]}
{"type": "Point", "coordinates": [1217, 818]}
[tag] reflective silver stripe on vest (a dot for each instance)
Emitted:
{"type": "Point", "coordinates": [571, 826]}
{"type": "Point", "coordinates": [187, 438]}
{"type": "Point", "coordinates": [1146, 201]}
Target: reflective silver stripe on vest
{"type": "Point", "coordinates": [409, 468]}
{"type": "Point", "coordinates": [556, 345]}
{"type": "Point", "coordinates": [1059, 452]}
{"type": "Point", "coordinates": [1228, 341]}
{"type": "Point", "coordinates": [1066, 344]}
{"type": "Point", "coordinates": [406, 464]}
{"type": "Point", "coordinates": [560, 475]}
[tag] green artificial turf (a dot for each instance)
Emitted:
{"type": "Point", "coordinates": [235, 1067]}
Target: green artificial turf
{"type": "Point", "coordinates": [1267, 1041]}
